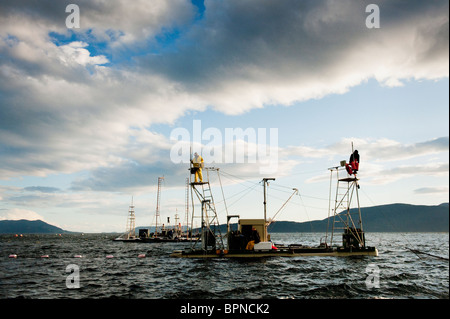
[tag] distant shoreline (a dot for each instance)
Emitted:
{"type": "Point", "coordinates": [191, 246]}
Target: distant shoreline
{"type": "Point", "coordinates": [391, 218]}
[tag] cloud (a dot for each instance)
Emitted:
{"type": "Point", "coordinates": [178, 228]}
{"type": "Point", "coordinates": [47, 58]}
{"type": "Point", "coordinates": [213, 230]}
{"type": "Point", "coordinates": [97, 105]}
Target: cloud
{"type": "Point", "coordinates": [391, 154]}
{"type": "Point", "coordinates": [149, 160]}
{"type": "Point", "coordinates": [139, 170]}
{"type": "Point", "coordinates": [41, 189]}
{"type": "Point", "coordinates": [75, 52]}
{"type": "Point", "coordinates": [245, 55]}
{"type": "Point", "coordinates": [18, 213]}
{"type": "Point", "coordinates": [388, 175]}
{"type": "Point", "coordinates": [84, 100]}
{"type": "Point", "coordinates": [431, 190]}
{"type": "Point", "coordinates": [379, 150]}
{"type": "Point", "coordinates": [388, 150]}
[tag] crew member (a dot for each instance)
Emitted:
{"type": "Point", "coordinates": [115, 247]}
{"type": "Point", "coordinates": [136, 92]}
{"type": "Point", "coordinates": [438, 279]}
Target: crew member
{"type": "Point", "coordinates": [255, 235]}
{"type": "Point", "coordinates": [198, 164]}
{"type": "Point", "coordinates": [354, 161]}
{"type": "Point", "coordinates": [353, 167]}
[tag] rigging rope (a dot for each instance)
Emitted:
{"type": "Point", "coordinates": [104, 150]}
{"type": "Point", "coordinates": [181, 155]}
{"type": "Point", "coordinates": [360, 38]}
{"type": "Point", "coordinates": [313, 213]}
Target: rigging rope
{"type": "Point", "coordinates": [415, 251]}
{"type": "Point", "coordinates": [276, 187]}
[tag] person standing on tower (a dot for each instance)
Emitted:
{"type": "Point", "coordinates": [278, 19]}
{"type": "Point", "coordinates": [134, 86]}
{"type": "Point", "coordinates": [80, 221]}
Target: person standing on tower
{"type": "Point", "coordinates": [198, 164]}
{"type": "Point", "coordinates": [353, 167]}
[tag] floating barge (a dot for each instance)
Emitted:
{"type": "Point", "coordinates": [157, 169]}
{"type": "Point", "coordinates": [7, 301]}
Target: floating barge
{"type": "Point", "coordinates": [161, 234]}
{"type": "Point", "coordinates": [280, 252]}
{"type": "Point", "coordinates": [252, 240]}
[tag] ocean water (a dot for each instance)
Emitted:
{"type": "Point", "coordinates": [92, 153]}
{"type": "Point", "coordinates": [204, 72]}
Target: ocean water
{"type": "Point", "coordinates": [397, 273]}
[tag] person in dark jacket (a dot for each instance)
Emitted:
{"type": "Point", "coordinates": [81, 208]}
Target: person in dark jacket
{"type": "Point", "coordinates": [353, 167]}
{"type": "Point", "coordinates": [354, 161]}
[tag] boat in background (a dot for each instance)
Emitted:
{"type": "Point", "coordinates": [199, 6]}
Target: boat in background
{"type": "Point", "coordinates": [163, 234]}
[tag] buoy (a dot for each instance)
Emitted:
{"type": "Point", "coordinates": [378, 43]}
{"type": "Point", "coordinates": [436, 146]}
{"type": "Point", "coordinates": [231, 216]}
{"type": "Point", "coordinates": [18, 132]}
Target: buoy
{"type": "Point", "coordinates": [109, 256]}
{"type": "Point", "coordinates": [77, 256]}
{"type": "Point", "coordinates": [141, 256]}
{"type": "Point", "coordinates": [13, 256]}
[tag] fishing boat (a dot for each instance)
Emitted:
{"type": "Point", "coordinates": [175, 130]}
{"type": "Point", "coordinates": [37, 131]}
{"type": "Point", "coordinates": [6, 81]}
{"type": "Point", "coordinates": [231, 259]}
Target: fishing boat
{"type": "Point", "coordinates": [164, 234]}
{"type": "Point", "coordinates": [170, 234]}
{"type": "Point", "coordinates": [252, 240]}
{"type": "Point", "coordinates": [130, 233]}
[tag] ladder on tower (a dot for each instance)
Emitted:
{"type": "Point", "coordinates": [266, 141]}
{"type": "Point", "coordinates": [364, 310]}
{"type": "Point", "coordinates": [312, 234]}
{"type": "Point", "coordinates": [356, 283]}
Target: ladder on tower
{"type": "Point", "coordinates": [210, 236]}
{"type": "Point", "coordinates": [344, 218]}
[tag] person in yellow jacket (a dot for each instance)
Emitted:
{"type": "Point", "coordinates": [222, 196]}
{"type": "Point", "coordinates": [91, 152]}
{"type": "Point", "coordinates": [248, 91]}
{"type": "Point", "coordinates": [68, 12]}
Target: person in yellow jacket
{"type": "Point", "coordinates": [198, 164]}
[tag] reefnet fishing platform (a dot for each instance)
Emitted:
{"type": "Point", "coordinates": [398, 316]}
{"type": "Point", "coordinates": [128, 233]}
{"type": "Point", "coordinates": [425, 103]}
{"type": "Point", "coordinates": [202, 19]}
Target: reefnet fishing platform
{"type": "Point", "coordinates": [252, 240]}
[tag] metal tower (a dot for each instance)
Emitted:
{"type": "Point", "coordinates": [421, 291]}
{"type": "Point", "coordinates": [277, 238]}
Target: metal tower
{"type": "Point", "coordinates": [131, 224]}
{"type": "Point", "coordinates": [158, 198]}
{"type": "Point", "coordinates": [346, 218]}
{"type": "Point", "coordinates": [211, 238]}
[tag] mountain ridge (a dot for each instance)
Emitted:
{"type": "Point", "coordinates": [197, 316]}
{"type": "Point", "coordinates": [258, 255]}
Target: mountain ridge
{"type": "Point", "coordinates": [24, 226]}
{"type": "Point", "coordinates": [383, 218]}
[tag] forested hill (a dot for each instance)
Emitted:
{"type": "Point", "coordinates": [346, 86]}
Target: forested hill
{"type": "Point", "coordinates": [28, 227]}
{"type": "Point", "coordinates": [385, 218]}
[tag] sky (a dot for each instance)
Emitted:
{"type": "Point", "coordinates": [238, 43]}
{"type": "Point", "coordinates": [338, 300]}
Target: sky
{"type": "Point", "coordinates": [98, 102]}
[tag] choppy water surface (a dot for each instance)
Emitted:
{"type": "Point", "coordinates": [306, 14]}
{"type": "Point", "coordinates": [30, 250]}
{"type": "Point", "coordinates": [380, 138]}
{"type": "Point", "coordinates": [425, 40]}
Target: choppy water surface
{"type": "Point", "coordinates": [402, 274]}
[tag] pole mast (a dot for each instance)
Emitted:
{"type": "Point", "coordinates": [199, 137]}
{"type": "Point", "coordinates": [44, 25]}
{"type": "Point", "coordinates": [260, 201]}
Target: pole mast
{"type": "Point", "coordinates": [265, 181]}
{"type": "Point", "coordinates": [158, 197]}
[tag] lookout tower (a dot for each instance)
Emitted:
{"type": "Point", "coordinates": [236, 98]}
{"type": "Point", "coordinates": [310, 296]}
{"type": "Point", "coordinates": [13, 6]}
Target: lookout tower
{"type": "Point", "coordinates": [211, 238]}
{"type": "Point", "coordinates": [345, 218]}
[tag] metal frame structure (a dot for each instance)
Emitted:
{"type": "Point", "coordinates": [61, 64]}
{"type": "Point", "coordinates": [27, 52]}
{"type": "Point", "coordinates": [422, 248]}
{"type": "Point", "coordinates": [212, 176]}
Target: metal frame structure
{"type": "Point", "coordinates": [131, 222]}
{"type": "Point", "coordinates": [158, 205]}
{"type": "Point", "coordinates": [211, 239]}
{"type": "Point", "coordinates": [343, 218]}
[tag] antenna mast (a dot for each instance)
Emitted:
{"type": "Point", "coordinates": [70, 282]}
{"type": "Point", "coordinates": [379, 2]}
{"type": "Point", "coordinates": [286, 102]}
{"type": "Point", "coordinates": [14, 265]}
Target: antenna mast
{"type": "Point", "coordinates": [265, 181]}
{"type": "Point", "coordinates": [187, 207]}
{"type": "Point", "coordinates": [158, 198]}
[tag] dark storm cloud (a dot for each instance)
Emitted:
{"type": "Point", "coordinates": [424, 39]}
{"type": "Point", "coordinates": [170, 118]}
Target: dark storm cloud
{"type": "Point", "coordinates": [73, 105]}
{"type": "Point", "coordinates": [272, 43]}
